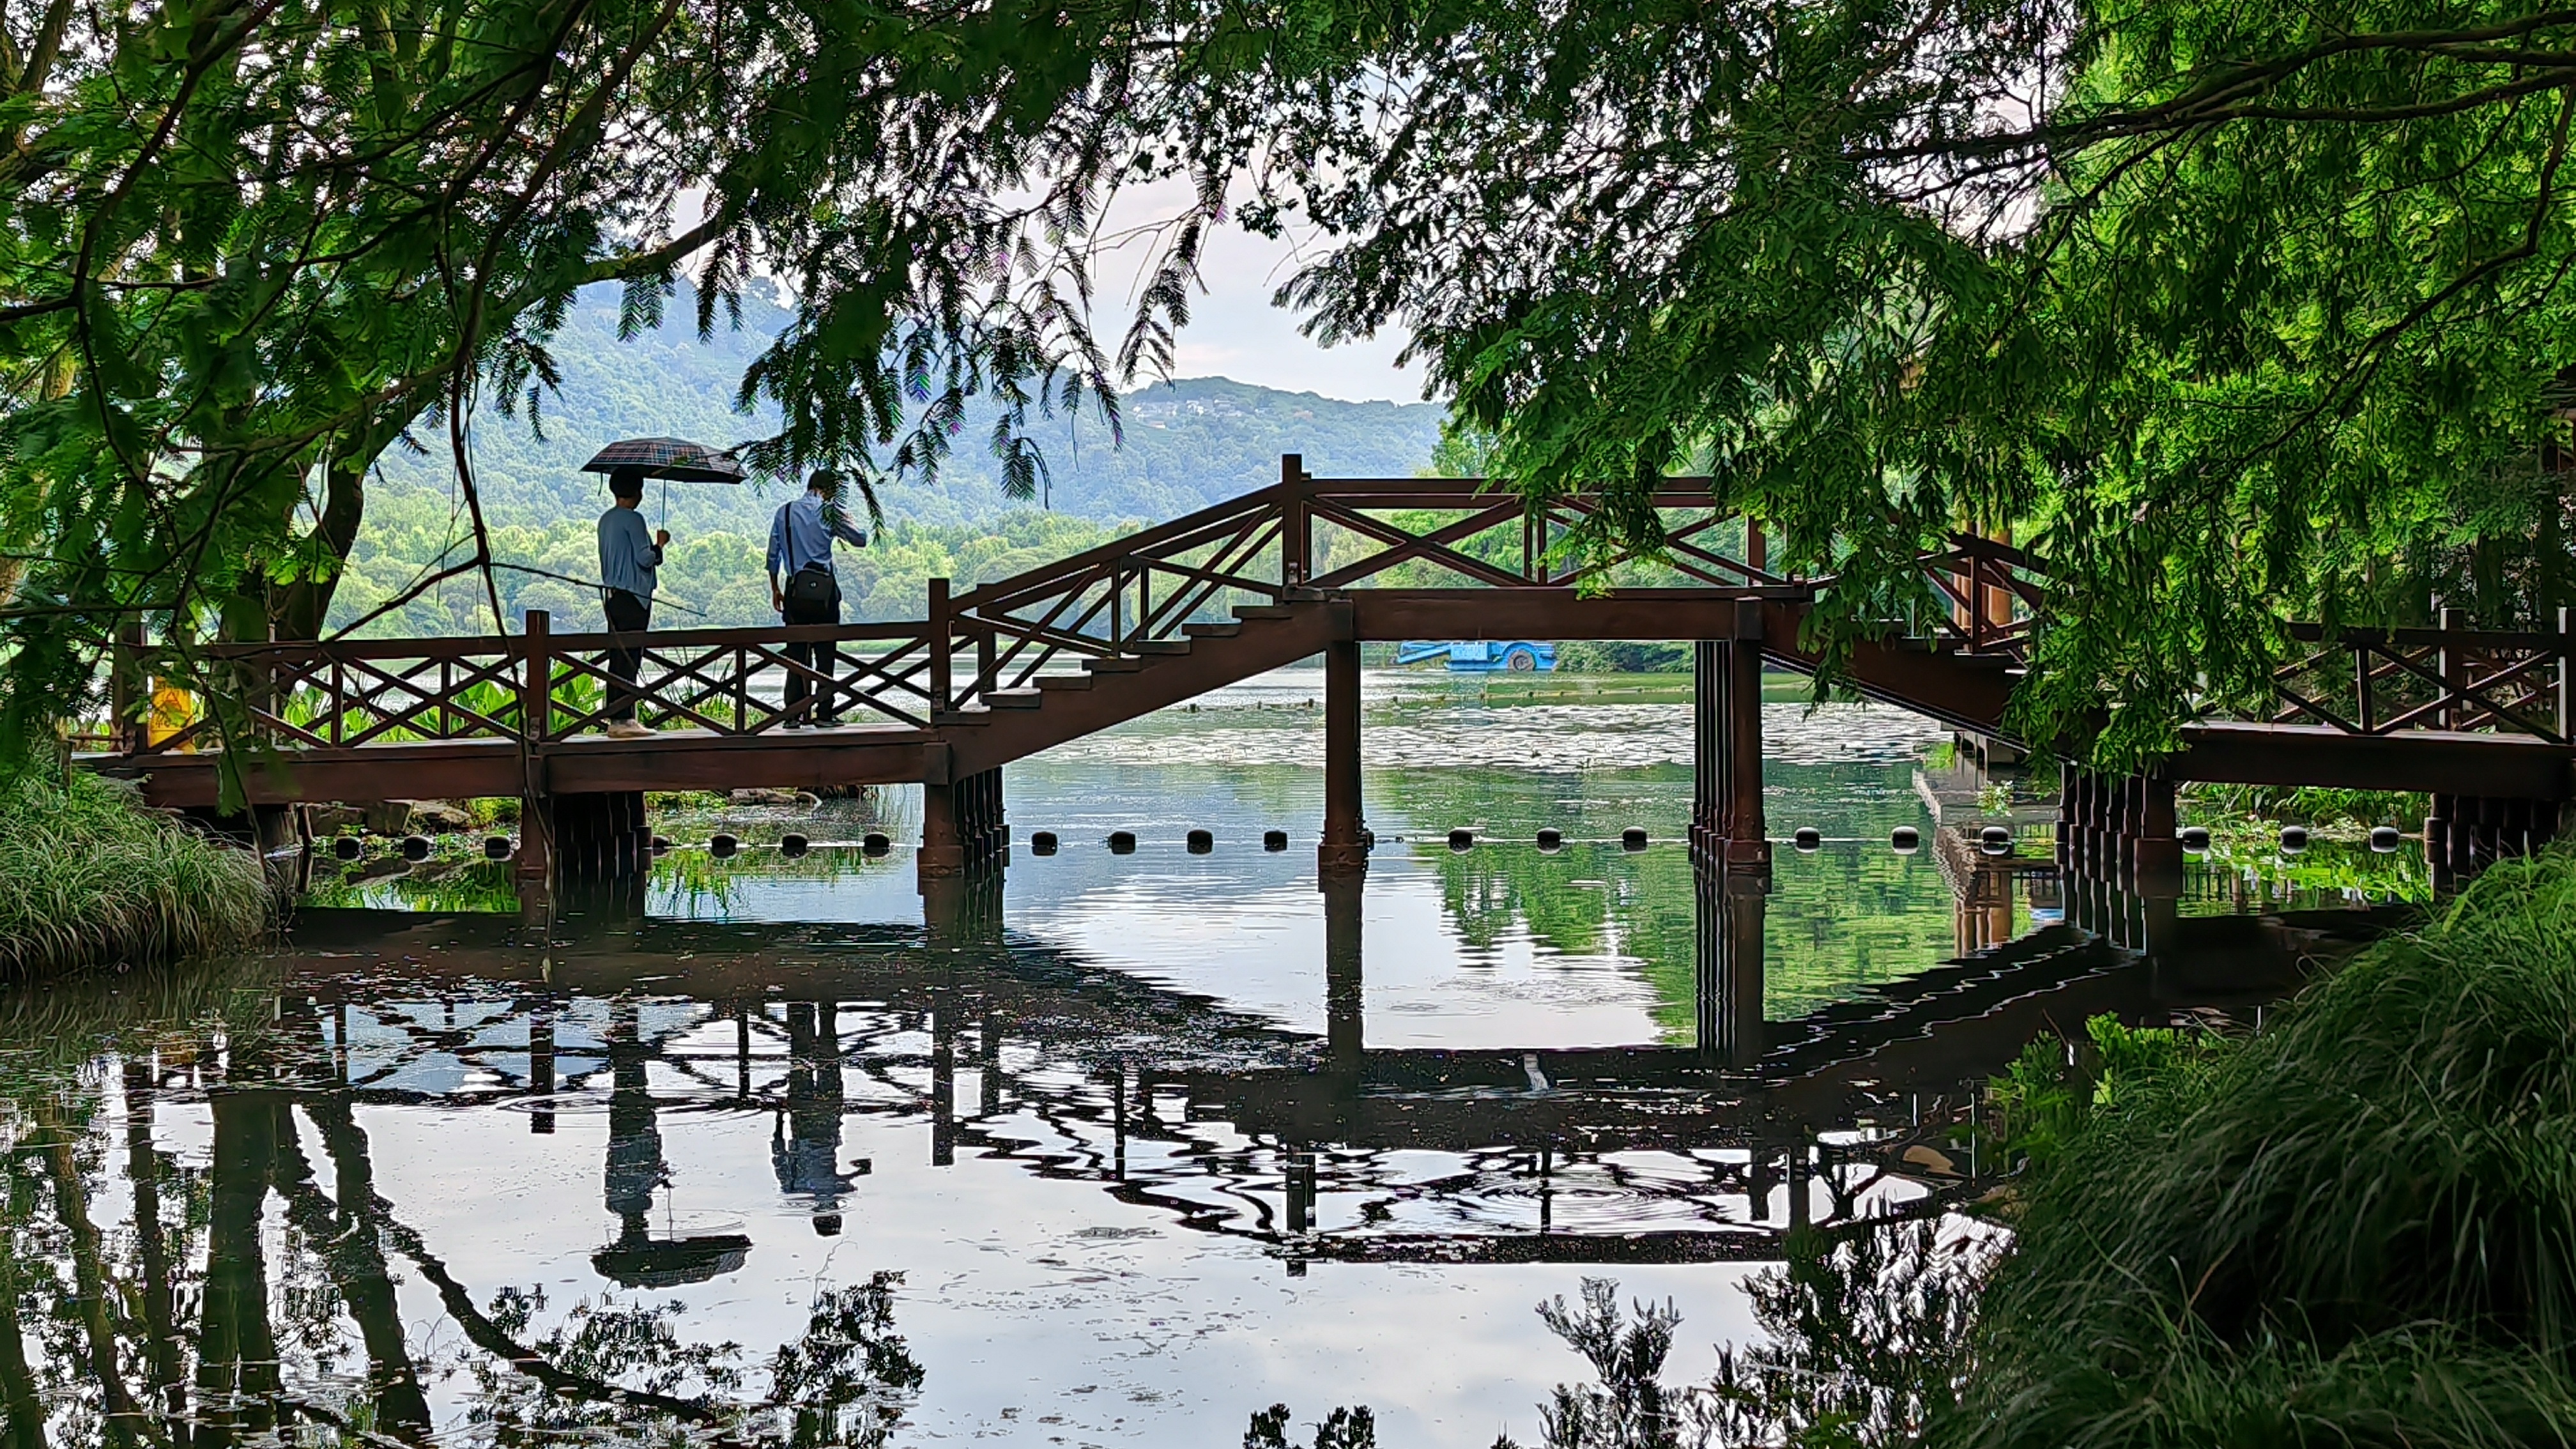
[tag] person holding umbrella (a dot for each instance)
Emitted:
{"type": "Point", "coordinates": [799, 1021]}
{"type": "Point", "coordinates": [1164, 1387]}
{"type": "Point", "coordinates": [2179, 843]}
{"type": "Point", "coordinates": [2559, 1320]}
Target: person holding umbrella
{"type": "Point", "coordinates": [629, 553]}
{"type": "Point", "coordinates": [800, 544]}
{"type": "Point", "coordinates": [629, 557]}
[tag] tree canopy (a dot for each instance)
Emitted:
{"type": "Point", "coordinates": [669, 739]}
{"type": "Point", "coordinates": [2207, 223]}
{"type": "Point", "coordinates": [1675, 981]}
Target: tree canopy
{"type": "Point", "coordinates": [2233, 314]}
{"type": "Point", "coordinates": [251, 245]}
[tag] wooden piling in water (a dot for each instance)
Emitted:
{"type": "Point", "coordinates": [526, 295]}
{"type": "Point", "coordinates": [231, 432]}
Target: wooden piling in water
{"type": "Point", "coordinates": [1345, 843]}
{"type": "Point", "coordinates": [1728, 824]}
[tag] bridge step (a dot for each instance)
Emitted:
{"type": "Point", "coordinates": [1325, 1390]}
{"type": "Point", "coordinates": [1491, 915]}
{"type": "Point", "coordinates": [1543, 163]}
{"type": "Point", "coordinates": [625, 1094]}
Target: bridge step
{"type": "Point", "coordinates": [1211, 631]}
{"type": "Point", "coordinates": [1015, 698]}
{"type": "Point", "coordinates": [1065, 681]}
{"type": "Point", "coordinates": [1113, 664]}
{"type": "Point", "coordinates": [1264, 611]}
{"type": "Point", "coordinates": [951, 718]}
{"type": "Point", "coordinates": [1160, 646]}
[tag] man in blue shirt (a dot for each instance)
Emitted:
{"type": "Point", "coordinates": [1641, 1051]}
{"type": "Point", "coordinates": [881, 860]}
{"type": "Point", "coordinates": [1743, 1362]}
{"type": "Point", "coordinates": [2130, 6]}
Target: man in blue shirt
{"type": "Point", "coordinates": [800, 547]}
{"type": "Point", "coordinates": [629, 556]}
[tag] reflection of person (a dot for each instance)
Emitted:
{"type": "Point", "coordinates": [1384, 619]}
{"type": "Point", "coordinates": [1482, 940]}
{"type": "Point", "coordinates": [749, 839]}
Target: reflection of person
{"type": "Point", "coordinates": [636, 1170]}
{"type": "Point", "coordinates": [635, 1166]}
{"type": "Point", "coordinates": [800, 546]}
{"type": "Point", "coordinates": [805, 1146]}
{"type": "Point", "coordinates": [629, 555]}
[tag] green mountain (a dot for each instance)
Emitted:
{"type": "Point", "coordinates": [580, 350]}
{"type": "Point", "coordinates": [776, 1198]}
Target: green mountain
{"type": "Point", "coordinates": [1187, 444]}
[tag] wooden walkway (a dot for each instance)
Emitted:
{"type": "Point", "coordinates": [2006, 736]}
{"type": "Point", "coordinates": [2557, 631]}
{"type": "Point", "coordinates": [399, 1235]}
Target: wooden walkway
{"type": "Point", "coordinates": [1306, 567]}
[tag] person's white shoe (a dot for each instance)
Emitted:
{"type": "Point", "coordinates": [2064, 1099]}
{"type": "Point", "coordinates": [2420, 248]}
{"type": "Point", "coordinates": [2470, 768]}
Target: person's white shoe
{"type": "Point", "coordinates": [629, 729]}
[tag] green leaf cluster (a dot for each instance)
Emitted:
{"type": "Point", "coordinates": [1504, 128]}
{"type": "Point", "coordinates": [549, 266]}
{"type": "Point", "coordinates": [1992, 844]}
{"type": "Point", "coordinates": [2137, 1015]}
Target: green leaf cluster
{"type": "Point", "coordinates": [2235, 314]}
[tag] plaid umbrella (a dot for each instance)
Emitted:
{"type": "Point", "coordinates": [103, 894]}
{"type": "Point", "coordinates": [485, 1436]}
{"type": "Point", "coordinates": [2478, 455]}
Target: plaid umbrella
{"type": "Point", "coordinates": [667, 458]}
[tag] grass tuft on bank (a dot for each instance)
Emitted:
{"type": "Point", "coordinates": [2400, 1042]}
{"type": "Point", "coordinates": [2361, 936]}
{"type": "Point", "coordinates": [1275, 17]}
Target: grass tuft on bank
{"type": "Point", "coordinates": [89, 876]}
{"type": "Point", "coordinates": [2357, 1226]}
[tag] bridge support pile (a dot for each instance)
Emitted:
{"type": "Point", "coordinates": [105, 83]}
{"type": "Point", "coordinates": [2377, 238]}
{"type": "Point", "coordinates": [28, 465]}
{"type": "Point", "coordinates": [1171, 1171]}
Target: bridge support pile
{"type": "Point", "coordinates": [1345, 846]}
{"type": "Point", "coordinates": [2120, 830]}
{"type": "Point", "coordinates": [2464, 834]}
{"type": "Point", "coordinates": [604, 836]}
{"type": "Point", "coordinates": [963, 828]}
{"type": "Point", "coordinates": [1728, 829]}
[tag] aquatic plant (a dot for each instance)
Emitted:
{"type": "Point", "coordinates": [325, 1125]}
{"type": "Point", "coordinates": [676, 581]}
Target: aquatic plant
{"type": "Point", "coordinates": [2320, 805]}
{"type": "Point", "coordinates": [2358, 1225]}
{"type": "Point", "coordinates": [88, 875]}
{"type": "Point", "coordinates": [2051, 1091]}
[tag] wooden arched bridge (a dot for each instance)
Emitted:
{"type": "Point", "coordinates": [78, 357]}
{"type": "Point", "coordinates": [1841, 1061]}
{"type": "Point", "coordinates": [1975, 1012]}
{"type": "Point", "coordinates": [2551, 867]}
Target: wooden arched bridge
{"type": "Point", "coordinates": [1309, 566]}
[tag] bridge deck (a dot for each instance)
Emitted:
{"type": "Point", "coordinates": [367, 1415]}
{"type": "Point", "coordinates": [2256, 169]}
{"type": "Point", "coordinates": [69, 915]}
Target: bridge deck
{"type": "Point", "coordinates": [674, 759]}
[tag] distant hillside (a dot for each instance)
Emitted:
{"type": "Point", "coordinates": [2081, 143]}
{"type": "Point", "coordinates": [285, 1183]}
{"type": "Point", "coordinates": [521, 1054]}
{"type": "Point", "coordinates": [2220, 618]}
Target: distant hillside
{"type": "Point", "coordinates": [1188, 443]}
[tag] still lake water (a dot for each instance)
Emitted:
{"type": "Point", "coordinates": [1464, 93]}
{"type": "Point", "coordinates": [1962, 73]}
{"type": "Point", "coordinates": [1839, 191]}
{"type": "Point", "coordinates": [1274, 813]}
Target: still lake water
{"type": "Point", "coordinates": [1150, 1143]}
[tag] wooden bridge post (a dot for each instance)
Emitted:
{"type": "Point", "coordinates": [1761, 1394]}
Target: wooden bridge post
{"type": "Point", "coordinates": [2453, 664]}
{"type": "Point", "coordinates": [1748, 832]}
{"type": "Point", "coordinates": [127, 690]}
{"type": "Point", "coordinates": [1729, 824]}
{"type": "Point", "coordinates": [535, 861]}
{"type": "Point", "coordinates": [1345, 843]}
{"type": "Point", "coordinates": [2566, 674]}
{"type": "Point", "coordinates": [2156, 854]}
{"type": "Point", "coordinates": [1296, 525]}
{"type": "Point", "coordinates": [1707, 741]}
{"type": "Point", "coordinates": [943, 693]}
{"type": "Point", "coordinates": [962, 825]}
{"type": "Point", "coordinates": [943, 845]}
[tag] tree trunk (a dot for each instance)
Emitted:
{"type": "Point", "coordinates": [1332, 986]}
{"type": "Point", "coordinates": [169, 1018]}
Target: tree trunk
{"type": "Point", "coordinates": [298, 608]}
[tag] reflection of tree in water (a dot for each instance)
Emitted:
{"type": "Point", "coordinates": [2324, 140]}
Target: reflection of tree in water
{"type": "Point", "coordinates": [847, 1380]}
{"type": "Point", "coordinates": [1864, 1336]}
{"type": "Point", "coordinates": [137, 1344]}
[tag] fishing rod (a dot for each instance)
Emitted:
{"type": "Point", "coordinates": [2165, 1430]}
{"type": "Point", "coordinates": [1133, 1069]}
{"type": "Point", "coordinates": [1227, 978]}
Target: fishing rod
{"type": "Point", "coordinates": [590, 584]}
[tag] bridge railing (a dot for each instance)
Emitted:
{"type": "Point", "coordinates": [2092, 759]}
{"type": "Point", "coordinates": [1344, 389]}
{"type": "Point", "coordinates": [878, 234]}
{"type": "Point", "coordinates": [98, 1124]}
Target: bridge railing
{"type": "Point", "coordinates": [1307, 534]}
{"type": "Point", "coordinates": [540, 687]}
{"type": "Point", "coordinates": [1134, 595]}
{"type": "Point", "coordinates": [2480, 681]}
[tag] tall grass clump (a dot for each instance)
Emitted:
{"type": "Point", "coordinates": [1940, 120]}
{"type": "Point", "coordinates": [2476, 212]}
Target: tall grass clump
{"type": "Point", "coordinates": [2355, 1227]}
{"type": "Point", "coordinates": [89, 876]}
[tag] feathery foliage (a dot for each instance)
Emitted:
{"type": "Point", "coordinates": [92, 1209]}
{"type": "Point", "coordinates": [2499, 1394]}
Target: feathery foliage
{"type": "Point", "coordinates": [88, 876]}
{"type": "Point", "coordinates": [249, 247]}
{"type": "Point", "coordinates": [2236, 313]}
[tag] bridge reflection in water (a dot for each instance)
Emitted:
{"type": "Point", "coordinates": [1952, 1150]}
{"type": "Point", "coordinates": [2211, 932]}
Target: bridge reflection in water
{"type": "Point", "coordinates": [262, 1218]}
{"type": "Point", "coordinates": [1004, 1048]}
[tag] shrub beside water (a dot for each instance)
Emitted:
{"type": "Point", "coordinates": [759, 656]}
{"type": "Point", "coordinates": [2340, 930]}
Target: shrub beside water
{"type": "Point", "coordinates": [89, 876]}
{"type": "Point", "coordinates": [2355, 1227]}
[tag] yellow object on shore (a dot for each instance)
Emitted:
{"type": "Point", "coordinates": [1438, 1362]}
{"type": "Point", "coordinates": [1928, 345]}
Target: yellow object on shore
{"type": "Point", "coordinates": [173, 710]}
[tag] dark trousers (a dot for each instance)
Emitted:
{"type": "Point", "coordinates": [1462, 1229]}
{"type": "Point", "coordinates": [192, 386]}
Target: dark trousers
{"type": "Point", "coordinates": [817, 657]}
{"type": "Point", "coordinates": [627, 614]}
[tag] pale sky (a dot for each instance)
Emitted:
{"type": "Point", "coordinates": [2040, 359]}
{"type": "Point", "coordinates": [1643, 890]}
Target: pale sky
{"type": "Point", "coordinates": [1234, 331]}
